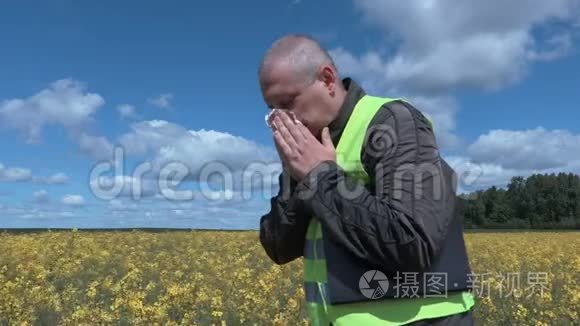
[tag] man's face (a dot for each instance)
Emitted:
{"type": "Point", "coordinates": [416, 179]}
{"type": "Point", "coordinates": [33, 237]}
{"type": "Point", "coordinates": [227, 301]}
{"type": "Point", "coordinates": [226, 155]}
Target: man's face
{"type": "Point", "coordinates": [308, 101]}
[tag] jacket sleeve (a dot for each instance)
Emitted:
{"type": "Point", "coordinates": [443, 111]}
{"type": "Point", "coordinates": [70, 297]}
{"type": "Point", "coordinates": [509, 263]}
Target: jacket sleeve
{"type": "Point", "coordinates": [398, 221]}
{"type": "Point", "coordinates": [283, 228]}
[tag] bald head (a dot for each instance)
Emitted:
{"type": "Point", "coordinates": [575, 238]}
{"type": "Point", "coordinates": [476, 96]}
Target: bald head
{"type": "Point", "coordinates": [297, 75]}
{"type": "Point", "coordinates": [301, 54]}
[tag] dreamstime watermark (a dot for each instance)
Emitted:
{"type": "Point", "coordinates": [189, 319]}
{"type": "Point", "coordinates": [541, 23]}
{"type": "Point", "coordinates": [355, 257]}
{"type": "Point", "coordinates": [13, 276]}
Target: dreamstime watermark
{"type": "Point", "coordinates": [109, 180]}
{"type": "Point", "coordinates": [374, 284]}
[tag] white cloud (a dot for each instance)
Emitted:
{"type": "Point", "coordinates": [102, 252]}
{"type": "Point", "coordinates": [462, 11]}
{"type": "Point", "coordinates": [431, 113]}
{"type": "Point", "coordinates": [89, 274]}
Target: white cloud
{"type": "Point", "coordinates": [73, 200]}
{"type": "Point", "coordinates": [225, 163]}
{"type": "Point", "coordinates": [27, 216]}
{"type": "Point", "coordinates": [433, 48]}
{"type": "Point", "coordinates": [14, 174]}
{"type": "Point", "coordinates": [41, 196]}
{"type": "Point", "coordinates": [119, 205]}
{"type": "Point", "coordinates": [110, 187]}
{"type": "Point", "coordinates": [148, 137]}
{"type": "Point", "coordinates": [57, 178]}
{"type": "Point", "coordinates": [198, 150]}
{"type": "Point", "coordinates": [483, 61]}
{"type": "Point", "coordinates": [64, 103]}
{"type": "Point", "coordinates": [445, 45]}
{"type": "Point", "coordinates": [127, 111]}
{"type": "Point", "coordinates": [537, 148]}
{"type": "Point", "coordinates": [97, 147]}
{"type": "Point", "coordinates": [67, 214]}
{"type": "Point", "coordinates": [125, 212]}
{"type": "Point", "coordinates": [494, 158]}
{"type": "Point", "coordinates": [18, 174]}
{"type": "Point", "coordinates": [475, 176]}
{"type": "Point", "coordinates": [162, 101]}
{"type": "Point", "coordinates": [193, 214]}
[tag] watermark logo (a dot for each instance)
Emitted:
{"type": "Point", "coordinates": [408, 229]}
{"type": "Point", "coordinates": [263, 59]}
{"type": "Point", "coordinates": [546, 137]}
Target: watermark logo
{"type": "Point", "coordinates": [373, 284]}
{"type": "Point", "coordinates": [110, 179]}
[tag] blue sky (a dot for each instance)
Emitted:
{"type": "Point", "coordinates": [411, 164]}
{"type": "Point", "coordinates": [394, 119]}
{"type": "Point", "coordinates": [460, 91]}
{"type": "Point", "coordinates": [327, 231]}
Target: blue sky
{"type": "Point", "coordinates": [176, 81]}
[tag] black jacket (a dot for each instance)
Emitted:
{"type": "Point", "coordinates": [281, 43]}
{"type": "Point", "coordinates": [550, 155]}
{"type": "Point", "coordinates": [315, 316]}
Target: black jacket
{"type": "Point", "coordinates": [389, 225]}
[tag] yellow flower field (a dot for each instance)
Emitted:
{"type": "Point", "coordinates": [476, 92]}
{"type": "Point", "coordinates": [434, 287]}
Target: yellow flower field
{"type": "Point", "coordinates": [218, 277]}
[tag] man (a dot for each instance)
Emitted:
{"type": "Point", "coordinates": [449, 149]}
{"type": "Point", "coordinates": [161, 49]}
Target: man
{"type": "Point", "coordinates": [364, 197]}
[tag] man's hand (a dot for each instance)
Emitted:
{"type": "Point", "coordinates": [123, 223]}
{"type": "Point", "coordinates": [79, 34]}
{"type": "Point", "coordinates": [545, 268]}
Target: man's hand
{"type": "Point", "coordinates": [300, 151]}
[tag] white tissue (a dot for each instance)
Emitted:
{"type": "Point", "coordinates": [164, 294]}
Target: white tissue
{"type": "Point", "coordinates": [271, 113]}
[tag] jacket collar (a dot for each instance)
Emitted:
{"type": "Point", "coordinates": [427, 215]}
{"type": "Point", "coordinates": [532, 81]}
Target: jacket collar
{"type": "Point", "coordinates": [354, 94]}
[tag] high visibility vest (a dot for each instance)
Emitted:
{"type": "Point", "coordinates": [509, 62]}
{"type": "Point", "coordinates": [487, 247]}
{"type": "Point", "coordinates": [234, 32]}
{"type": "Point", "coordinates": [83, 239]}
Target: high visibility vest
{"type": "Point", "coordinates": [388, 311]}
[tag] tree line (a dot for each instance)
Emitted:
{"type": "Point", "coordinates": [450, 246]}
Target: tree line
{"type": "Point", "coordinates": [540, 201]}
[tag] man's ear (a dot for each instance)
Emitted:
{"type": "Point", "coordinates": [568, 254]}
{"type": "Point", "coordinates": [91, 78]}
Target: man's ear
{"type": "Point", "coordinates": [328, 77]}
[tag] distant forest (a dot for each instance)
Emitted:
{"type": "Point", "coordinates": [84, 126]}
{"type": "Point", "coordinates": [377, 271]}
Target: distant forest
{"type": "Point", "coordinates": [541, 201]}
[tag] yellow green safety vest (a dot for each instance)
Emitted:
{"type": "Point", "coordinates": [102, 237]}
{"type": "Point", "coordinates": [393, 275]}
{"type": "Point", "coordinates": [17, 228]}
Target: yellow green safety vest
{"type": "Point", "coordinates": [397, 311]}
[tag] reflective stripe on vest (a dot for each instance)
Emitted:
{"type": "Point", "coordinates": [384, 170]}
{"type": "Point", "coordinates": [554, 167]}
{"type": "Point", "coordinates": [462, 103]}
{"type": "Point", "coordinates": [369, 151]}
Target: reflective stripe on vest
{"type": "Point", "coordinates": [384, 312]}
